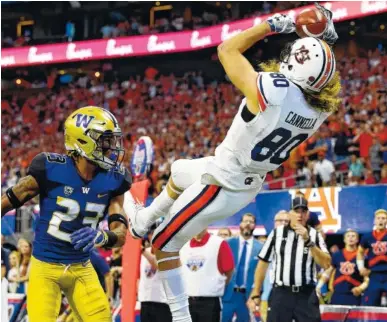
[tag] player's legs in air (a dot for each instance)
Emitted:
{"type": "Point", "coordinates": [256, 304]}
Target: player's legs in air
{"type": "Point", "coordinates": [183, 174]}
{"type": "Point", "coordinates": [197, 207]}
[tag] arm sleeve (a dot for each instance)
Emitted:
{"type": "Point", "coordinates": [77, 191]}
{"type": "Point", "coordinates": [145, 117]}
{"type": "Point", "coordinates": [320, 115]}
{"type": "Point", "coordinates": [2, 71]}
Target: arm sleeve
{"type": "Point", "coordinates": [272, 89]}
{"type": "Point", "coordinates": [37, 169]}
{"type": "Point", "coordinates": [125, 185]}
{"type": "Point", "coordinates": [225, 258]}
{"type": "Point", "coordinates": [267, 251]}
{"type": "Point", "coordinates": [321, 243]}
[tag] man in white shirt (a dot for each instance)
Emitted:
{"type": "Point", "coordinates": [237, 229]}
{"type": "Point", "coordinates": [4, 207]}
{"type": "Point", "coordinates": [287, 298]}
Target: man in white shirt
{"type": "Point", "coordinates": [207, 265]}
{"type": "Point", "coordinates": [151, 294]}
{"type": "Point", "coordinates": [324, 171]}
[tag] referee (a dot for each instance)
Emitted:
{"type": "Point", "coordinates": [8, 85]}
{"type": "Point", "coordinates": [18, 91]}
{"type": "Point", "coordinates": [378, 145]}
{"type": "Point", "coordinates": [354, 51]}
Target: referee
{"type": "Point", "coordinates": [296, 249]}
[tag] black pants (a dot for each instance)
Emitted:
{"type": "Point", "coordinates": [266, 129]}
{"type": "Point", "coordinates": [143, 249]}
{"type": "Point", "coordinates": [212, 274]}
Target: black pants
{"type": "Point", "coordinates": [205, 309]}
{"type": "Point", "coordinates": [155, 312]}
{"type": "Point", "coordinates": [286, 305]}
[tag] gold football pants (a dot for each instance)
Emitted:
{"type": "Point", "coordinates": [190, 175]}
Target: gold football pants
{"type": "Point", "coordinates": [80, 284]}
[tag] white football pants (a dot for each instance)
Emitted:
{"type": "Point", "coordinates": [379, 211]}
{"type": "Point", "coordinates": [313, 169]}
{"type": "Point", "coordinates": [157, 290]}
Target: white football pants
{"type": "Point", "coordinates": [198, 206]}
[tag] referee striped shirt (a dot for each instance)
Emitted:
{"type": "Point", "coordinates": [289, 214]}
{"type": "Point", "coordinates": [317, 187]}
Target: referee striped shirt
{"type": "Point", "coordinates": [293, 263]}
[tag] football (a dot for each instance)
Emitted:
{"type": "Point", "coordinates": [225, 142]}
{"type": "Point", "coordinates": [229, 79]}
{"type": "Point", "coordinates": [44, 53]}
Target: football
{"type": "Point", "coordinates": [311, 23]}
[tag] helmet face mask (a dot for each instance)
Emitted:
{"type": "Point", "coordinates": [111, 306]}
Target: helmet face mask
{"type": "Point", "coordinates": [109, 151]}
{"type": "Point", "coordinates": [94, 134]}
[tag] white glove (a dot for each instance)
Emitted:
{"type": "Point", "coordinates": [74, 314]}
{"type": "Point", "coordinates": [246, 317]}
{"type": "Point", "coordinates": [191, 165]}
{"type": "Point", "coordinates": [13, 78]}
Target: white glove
{"type": "Point", "coordinates": [330, 34]}
{"type": "Point", "coordinates": [281, 23]}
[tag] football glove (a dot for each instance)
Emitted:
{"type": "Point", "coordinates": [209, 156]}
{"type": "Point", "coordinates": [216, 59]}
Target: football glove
{"type": "Point", "coordinates": [330, 34]}
{"type": "Point", "coordinates": [87, 238]}
{"type": "Point", "coordinates": [281, 23]}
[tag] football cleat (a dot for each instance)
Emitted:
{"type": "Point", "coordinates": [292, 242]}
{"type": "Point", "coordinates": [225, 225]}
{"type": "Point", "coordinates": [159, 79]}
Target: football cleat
{"type": "Point", "coordinates": [132, 208]}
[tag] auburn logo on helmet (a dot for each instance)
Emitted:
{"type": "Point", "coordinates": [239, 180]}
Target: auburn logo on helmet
{"type": "Point", "coordinates": [301, 55]}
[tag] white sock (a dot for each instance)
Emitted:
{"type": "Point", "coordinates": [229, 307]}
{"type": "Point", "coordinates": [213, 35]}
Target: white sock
{"type": "Point", "coordinates": [158, 208]}
{"type": "Point", "coordinates": [176, 297]}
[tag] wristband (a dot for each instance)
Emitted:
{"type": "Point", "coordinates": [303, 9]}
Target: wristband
{"type": "Point", "coordinates": [14, 201]}
{"type": "Point", "coordinates": [106, 239]}
{"type": "Point", "coordinates": [256, 297]}
{"type": "Point", "coordinates": [119, 218]}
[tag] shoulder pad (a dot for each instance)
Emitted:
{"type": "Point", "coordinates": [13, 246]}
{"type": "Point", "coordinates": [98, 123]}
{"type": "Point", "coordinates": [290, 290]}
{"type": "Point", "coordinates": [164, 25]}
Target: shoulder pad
{"type": "Point", "coordinates": [125, 180]}
{"type": "Point", "coordinates": [272, 89]}
{"type": "Point", "coordinates": [38, 162]}
{"type": "Point", "coordinates": [37, 168]}
{"type": "Point", "coordinates": [55, 158]}
{"type": "Point", "coordinates": [124, 172]}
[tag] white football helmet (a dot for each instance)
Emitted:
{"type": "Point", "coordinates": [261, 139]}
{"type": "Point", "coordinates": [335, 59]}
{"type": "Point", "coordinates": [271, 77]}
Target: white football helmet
{"type": "Point", "coordinates": [308, 62]}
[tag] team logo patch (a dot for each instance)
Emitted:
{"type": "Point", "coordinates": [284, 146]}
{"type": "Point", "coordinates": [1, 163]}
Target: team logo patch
{"type": "Point", "coordinates": [379, 248]}
{"type": "Point", "coordinates": [347, 268]}
{"type": "Point", "coordinates": [249, 181]}
{"type": "Point", "coordinates": [83, 120]}
{"type": "Point", "coordinates": [68, 190]}
{"type": "Point", "coordinates": [301, 55]}
{"type": "Point", "coordinates": [324, 201]}
{"type": "Point", "coordinates": [195, 263]}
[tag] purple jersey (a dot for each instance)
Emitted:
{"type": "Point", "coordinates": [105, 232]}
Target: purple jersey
{"type": "Point", "coordinates": [376, 243]}
{"type": "Point", "coordinates": [347, 275]}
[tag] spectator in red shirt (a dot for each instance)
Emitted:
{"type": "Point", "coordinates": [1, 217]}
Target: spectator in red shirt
{"type": "Point", "coordinates": [208, 265]}
{"type": "Point", "coordinates": [364, 137]}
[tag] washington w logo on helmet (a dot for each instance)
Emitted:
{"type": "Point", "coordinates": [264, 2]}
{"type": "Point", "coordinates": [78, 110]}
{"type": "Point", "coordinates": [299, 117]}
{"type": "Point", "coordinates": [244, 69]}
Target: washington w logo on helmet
{"type": "Point", "coordinates": [83, 120]}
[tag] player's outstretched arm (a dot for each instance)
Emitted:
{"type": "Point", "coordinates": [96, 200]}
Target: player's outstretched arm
{"type": "Point", "coordinates": [117, 219]}
{"type": "Point", "coordinates": [19, 194]}
{"type": "Point", "coordinates": [237, 67]}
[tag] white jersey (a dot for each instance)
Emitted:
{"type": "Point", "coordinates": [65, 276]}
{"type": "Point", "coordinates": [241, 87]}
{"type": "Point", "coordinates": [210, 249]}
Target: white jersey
{"type": "Point", "coordinates": [253, 148]}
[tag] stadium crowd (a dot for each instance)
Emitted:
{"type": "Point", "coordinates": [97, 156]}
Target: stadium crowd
{"type": "Point", "coordinates": [188, 116]}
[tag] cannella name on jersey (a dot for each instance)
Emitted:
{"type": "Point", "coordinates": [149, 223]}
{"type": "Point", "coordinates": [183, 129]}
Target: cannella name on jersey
{"type": "Point", "coordinates": [300, 121]}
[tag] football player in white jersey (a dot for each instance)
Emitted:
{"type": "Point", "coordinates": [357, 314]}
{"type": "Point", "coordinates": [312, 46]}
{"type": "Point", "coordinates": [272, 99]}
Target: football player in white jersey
{"type": "Point", "coordinates": [283, 106]}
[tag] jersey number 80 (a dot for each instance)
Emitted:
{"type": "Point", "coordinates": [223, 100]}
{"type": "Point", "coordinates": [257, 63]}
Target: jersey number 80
{"type": "Point", "coordinates": [279, 143]}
